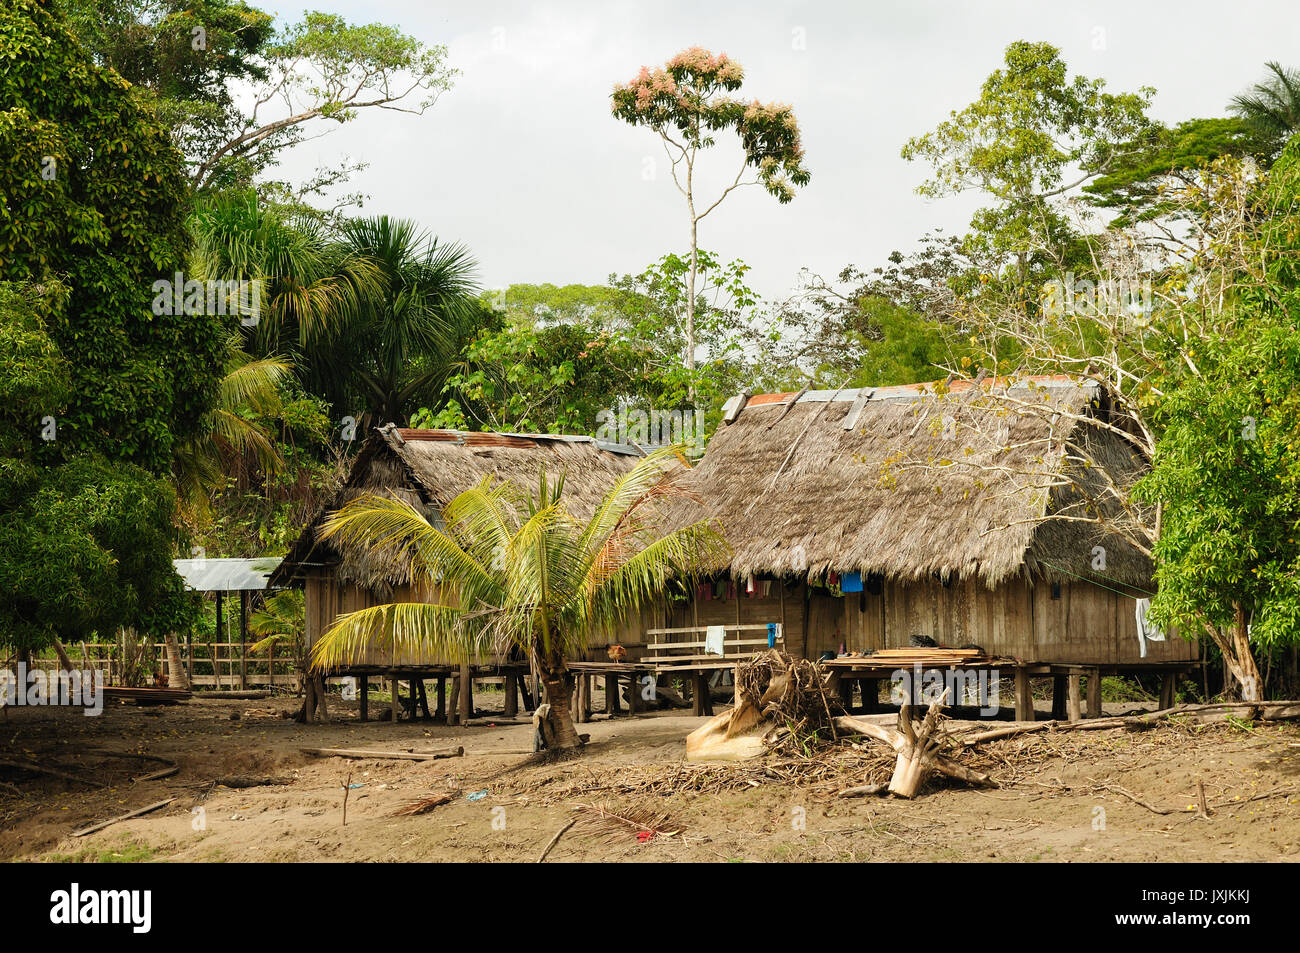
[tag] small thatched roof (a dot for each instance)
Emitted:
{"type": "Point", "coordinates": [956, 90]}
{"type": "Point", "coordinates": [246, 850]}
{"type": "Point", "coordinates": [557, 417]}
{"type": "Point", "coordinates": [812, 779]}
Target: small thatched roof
{"type": "Point", "coordinates": [429, 468]}
{"type": "Point", "coordinates": [917, 481]}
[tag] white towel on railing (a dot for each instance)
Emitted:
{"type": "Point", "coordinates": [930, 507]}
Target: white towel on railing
{"type": "Point", "coordinates": [1146, 631]}
{"type": "Point", "coordinates": [714, 637]}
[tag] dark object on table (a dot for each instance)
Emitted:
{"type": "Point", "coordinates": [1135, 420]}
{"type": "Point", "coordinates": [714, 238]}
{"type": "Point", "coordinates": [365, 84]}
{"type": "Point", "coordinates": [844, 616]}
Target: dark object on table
{"type": "Point", "coordinates": [922, 642]}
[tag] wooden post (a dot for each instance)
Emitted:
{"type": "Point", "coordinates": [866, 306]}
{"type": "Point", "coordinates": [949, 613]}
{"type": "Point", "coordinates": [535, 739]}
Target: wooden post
{"type": "Point", "coordinates": [1058, 696]}
{"type": "Point", "coordinates": [584, 697]}
{"type": "Point", "coordinates": [1024, 696]}
{"type": "Point", "coordinates": [633, 690]}
{"type": "Point", "coordinates": [870, 694]}
{"type": "Point", "coordinates": [442, 698]}
{"type": "Point", "coordinates": [243, 640]}
{"type": "Point", "coordinates": [700, 688]}
{"type": "Point", "coordinates": [216, 671]}
{"type": "Point", "coordinates": [1168, 685]}
{"type": "Point", "coordinates": [395, 702]}
{"type": "Point", "coordinates": [510, 684]}
{"type": "Point", "coordinates": [466, 695]}
{"type": "Point", "coordinates": [1073, 706]}
{"type": "Point", "coordinates": [611, 693]}
{"type": "Point", "coordinates": [1094, 693]}
{"type": "Point", "coordinates": [365, 697]}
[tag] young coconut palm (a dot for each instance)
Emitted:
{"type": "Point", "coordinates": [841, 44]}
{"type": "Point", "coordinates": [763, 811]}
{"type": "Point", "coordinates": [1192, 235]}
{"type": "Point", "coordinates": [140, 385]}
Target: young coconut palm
{"type": "Point", "coordinates": [508, 568]}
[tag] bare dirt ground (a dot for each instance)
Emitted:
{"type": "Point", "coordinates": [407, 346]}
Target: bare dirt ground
{"type": "Point", "coordinates": [1073, 797]}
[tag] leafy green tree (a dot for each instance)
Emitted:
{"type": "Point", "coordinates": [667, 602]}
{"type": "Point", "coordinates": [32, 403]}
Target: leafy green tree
{"type": "Point", "coordinates": [509, 568]}
{"type": "Point", "coordinates": [85, 543]}
{"type": "Point", "coordinates": [197, 59]}
{"type": "Point", "coordinates": [1034, 136]}
{"type": "Point", "coordinates": [92, 194]}
{"type": "Point", "coordinates": [1142, 183]}
{"type": "Point", "coordinates": [518, 376]}
{"type": "Point", "coordinates": [686, 103]}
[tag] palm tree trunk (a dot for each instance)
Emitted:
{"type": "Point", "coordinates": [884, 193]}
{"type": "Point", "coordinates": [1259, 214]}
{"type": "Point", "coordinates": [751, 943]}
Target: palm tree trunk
{"type": "Point", "coordinates": [554, 674]}
{"type": "Point", "coordinates": [176, 677]}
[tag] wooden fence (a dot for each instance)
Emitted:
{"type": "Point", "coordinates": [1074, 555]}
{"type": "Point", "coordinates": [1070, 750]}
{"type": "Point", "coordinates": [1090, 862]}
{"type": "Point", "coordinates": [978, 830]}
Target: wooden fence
{"type": "Point", "coordinates": [216, 665]}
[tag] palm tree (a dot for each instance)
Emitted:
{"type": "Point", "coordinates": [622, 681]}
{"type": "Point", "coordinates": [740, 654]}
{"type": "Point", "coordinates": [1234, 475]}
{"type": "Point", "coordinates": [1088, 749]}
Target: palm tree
{"type": "Point", "coordinates": [506, 568]}
{"type": "Point", "coordinates": [309, 283]}
{"type": "Point", "coordinates": [228, 439]}
{"type": "Point", "coordinates": [395, 350]}
{"type": "Point", "coordinates": [1272, 107]}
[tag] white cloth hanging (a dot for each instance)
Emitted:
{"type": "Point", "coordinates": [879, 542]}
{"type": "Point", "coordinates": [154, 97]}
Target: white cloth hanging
{"type": "Point", "coordinates": [1146, 631]}
{"type": "Point", "coordinates": [714, 637]}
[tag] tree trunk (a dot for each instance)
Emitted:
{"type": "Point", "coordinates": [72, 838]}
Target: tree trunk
{"type": "Point", "coordinates": [1238, 660]}
{"type": "Point", "coordinates": [690, 311]}
{"type": "Point", "coordinates": [560, 731]}
{"type": "Point", "coordinates": [176, 677]}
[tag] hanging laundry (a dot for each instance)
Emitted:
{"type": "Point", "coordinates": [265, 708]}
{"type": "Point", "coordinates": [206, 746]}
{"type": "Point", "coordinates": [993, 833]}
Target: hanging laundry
{"type": "Point", "coordinates": [833, 579]}
{"type": "Point", "coordinates": [750, 586]}
{"type": "Point", "coordinates": [767, 588]}
{"type": "Point", "coordinates": [715, 636]}
{"type": "Point", "coordinates": [1146, 631]}
{"type": "Point", "coordinates": [774, 633]}
{"type": "Point", "coordinates": [851, 582]}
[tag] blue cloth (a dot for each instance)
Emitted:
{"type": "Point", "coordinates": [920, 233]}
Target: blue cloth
{"type": "Point", "coordinates": [851, 582]}
{"type": "Point", "coordinates": [771, 635]}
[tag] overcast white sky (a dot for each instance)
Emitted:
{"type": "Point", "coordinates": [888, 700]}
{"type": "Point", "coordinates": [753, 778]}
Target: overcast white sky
{"type": "Point", "coordinates": [522, 161]}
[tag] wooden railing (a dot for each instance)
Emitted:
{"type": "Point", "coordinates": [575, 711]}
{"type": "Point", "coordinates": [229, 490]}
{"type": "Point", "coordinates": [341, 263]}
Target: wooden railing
{"type": "Point", "coordinates": [217, 665]}
{"type": "Point", "coordinates": [662, 648]}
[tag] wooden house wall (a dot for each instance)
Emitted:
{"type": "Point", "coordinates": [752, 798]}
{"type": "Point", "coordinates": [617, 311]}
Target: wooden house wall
{"type": "Point", "coordinates": [1086, 625]}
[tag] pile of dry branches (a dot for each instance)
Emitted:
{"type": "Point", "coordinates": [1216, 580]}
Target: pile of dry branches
{"type": "Point", "coordinates": [792, 692]}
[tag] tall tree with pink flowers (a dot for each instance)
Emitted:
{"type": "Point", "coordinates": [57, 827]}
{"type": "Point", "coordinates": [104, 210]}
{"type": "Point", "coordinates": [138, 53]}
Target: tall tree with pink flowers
{"type": "Point", "coordinates": [687, 103]}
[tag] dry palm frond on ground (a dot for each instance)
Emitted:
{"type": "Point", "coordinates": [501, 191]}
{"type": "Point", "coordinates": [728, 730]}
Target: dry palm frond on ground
{"type": "Point", "coordinates": [613, 824]}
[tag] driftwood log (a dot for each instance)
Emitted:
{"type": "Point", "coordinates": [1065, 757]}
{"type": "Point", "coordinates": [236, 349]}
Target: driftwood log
{"type": "Point", "coordinates": [919, 747]}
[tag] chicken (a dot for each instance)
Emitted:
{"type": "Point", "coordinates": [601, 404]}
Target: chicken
{"type": "Point", "coordinates": [617, 653]}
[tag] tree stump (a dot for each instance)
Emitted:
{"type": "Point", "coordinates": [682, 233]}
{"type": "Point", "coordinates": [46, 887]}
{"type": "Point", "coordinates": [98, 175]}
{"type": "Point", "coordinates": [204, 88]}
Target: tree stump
{"type": "Point", "coordinates": [919, 748]}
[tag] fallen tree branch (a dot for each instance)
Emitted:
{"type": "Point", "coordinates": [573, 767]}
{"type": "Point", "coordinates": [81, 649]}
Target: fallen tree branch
{"type": "Point", "coordinates": [122, 817]}
{"type": "Point", "coordinates": [429, 755]}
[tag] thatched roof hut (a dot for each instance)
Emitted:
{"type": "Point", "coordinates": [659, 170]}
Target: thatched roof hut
{"type": "Point", "coordinates": [964, 513]}
{"type": "Point", "coordinates": [428, 468]}
{"type": "Point", "coordinates": [920, 481]}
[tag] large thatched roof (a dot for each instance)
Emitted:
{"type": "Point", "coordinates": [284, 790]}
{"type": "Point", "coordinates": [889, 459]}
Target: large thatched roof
{"type": "Point", "coordinates": [918, 481]}
{"type": "Point", "coordinates": [428, 468]}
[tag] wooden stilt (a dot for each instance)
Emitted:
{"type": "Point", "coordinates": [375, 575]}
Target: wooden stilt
{"type": "Point", "coordinates": [510, 685]}
{"type": "Point", "coordinates": [396, 702]}
{"type": "Point", "coordinates": [870, 694]}
{"type": "Point", "coordinates": [1024, 696]}
{"type": "Point", "coordinates": [1073, 705]}
{"type": "Point", "coordinates": [424, 700]}
{"type": "Point", "coordinates": [1094, 693]}
{"type": "Point", "coordinates": [453, 712]}
{"type": "Point", "coordinates": [442, 699]}
{"type": "Point", "coordinates": [612, 705]}
{"type": "Point", "coordinates": [364, 697]}
{"type": "Point", "coordinates": [1168, 686]}
{"type": "Point", "coordinates": [1058, 697]}
{"type": "Point", "coordinates": [633, 693]}
{"type": "Point", "coordinates": [466, 694]}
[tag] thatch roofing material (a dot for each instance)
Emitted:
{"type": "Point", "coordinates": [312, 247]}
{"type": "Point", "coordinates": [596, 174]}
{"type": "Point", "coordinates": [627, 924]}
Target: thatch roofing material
{"type": "Point", "coordinates": [795, 491]}
{"type": "Point", "coordinates": [429, 468]}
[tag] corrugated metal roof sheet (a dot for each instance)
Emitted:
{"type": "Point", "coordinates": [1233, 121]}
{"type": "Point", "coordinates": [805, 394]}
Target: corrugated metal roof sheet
{"type": "Point", "coordinates": [226, 575]}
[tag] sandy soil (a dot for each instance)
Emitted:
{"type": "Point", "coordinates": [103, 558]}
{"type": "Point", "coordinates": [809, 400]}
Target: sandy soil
{"type": "Point", "coordinates": [1063, 797]}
